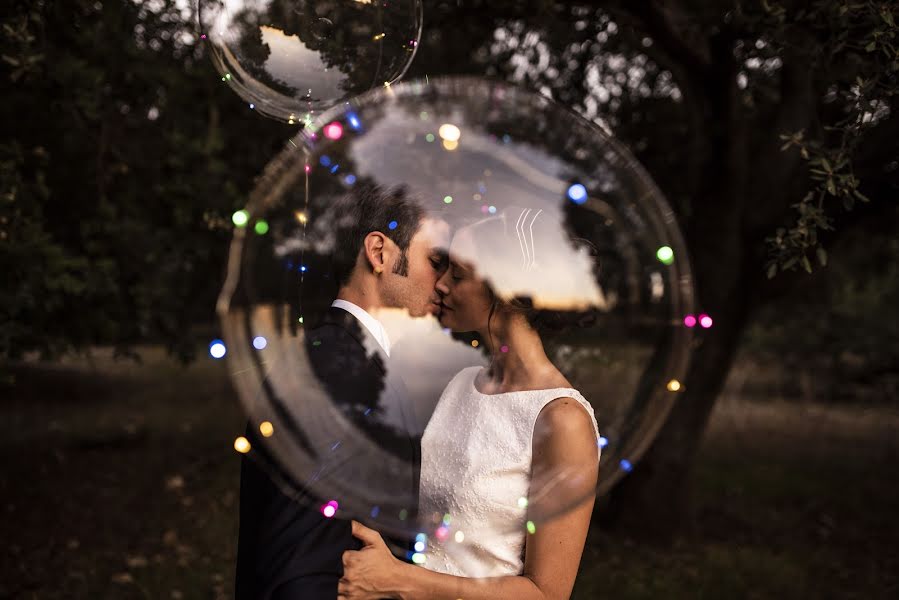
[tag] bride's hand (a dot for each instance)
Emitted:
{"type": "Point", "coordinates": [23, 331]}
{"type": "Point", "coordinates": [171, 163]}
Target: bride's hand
{"type": "Point", "coordinates": [371, 573]}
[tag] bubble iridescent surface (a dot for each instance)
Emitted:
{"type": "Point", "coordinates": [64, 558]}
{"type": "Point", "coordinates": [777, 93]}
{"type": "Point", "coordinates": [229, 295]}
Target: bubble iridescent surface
{"type": "Point", "coordinates": [612, 312]}
{"type": "Point", "coordinates": [292, 58]}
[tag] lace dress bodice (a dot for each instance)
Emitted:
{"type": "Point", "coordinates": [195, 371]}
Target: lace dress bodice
{"type": "Point", "coordinates": [475, 475]}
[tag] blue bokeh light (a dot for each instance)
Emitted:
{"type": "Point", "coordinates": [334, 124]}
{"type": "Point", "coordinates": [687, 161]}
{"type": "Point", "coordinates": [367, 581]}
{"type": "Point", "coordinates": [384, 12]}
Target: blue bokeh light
{"type": "Point", "coordinates": [577, 193]}
{"type": "Point", "coordinates": [217, 349]}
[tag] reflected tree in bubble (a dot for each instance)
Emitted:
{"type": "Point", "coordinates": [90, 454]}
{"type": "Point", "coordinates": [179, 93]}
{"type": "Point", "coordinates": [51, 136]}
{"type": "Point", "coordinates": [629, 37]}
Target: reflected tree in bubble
{"type": "Point", "coordinates": [464, 149]}
{"type": "Point", "coordinates": [291, 58]}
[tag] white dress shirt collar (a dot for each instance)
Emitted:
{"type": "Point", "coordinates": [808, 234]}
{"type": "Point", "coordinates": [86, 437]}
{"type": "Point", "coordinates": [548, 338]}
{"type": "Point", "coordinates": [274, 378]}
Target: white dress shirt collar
{"type": "Point", "coordinates": [374, 326]}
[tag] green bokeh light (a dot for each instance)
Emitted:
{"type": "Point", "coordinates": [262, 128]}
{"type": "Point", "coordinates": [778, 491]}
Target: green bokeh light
{"type": "Point", "coordinates": [665, 255]}
{"type": "Point", "coordinates": [240, 218]}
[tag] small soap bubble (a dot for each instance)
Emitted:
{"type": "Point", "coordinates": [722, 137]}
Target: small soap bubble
{"type": "Point", "coordinates": [289, 57]}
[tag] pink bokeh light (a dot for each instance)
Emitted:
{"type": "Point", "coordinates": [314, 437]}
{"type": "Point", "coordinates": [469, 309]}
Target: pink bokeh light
{"type": "Point", "coordinates": [330, 509]}
{"type": "Point", "coordinates": [333, 130]}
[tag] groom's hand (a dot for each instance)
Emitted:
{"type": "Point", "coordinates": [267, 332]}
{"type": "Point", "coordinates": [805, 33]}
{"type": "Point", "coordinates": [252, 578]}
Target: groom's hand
{"type": "Point", "coordinates": [370, 573]}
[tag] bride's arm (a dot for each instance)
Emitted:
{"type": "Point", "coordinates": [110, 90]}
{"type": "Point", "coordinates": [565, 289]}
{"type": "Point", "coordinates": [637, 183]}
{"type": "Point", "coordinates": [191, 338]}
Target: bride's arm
{"type": "Point", "coordinates": [564, 471]}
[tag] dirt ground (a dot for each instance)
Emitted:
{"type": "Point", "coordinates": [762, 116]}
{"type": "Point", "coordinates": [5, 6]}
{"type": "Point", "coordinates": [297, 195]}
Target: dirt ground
{"type": "Point", "coordinates": [120, 480]}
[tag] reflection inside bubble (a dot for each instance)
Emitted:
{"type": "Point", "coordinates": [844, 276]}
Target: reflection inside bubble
{"type": "Point", "coordinates": [533, 217]}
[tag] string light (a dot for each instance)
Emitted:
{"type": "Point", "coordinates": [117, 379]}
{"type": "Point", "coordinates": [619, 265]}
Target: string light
{"type": "Point", "coordinates": [333, 130]}
{"type": "Point", "coordinates": [240, 218]}
{"type": "Point", "coordinates": [330, 509]}
{"type": "Point", "coordinates": [242, 445]}
{"type": "Point", "coordinates": [449, 132]}
{"type": "Point", "coordinates": [577, 193]}
{"type": "Point", "coordinates": [217, 349]}
{"type": "Point", "coordinates": [665, 255]}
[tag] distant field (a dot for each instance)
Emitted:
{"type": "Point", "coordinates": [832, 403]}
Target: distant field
{"type": "Point", "coordinates": [119, 481]}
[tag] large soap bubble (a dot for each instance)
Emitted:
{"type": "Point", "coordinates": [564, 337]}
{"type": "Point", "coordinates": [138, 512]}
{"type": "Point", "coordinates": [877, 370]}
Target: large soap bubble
{"type": "Point", "coordinates": [291, 58]}
{"type": "Point", "coordinates": [554, 215]}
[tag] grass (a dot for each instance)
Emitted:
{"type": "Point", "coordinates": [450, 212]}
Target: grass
{"type": "Point", "coordinates": [119, 482]}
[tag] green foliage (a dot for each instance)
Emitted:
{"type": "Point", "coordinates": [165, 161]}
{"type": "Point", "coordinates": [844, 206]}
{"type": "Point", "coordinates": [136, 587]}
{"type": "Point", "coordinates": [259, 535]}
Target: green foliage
{"type": "Point", "coordinates": [123, 154]}
{"type": "Point", "coordinates": [859, 52]}
{"type": "Point", "coordinates": [119, 167]}
{"type": "Point", "coordinates": [843, 321]}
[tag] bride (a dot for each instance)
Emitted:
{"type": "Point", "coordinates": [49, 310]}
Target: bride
{"type": "Point", "coordinates": [510, 456]}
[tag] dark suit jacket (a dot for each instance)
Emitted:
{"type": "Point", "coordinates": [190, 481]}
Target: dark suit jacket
{"type": "Point", "coordinates": [286, 548]}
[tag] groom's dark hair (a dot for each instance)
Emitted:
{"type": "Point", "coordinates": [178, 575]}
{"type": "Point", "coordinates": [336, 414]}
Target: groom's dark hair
{"type": "Point", "coordinates": [369, 208]}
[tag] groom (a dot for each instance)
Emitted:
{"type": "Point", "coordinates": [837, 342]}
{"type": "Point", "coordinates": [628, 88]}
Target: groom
{"type": "Point", "coordinates": [389, 255]}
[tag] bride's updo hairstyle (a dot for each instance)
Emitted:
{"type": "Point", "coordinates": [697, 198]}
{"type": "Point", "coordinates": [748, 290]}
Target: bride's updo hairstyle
{"type": "Point", "coordinates": [534, 266]}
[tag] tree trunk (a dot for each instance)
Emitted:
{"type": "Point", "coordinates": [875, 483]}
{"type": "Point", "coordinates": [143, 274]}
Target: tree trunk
{"type": "Point", "coordinates": [654, 500]}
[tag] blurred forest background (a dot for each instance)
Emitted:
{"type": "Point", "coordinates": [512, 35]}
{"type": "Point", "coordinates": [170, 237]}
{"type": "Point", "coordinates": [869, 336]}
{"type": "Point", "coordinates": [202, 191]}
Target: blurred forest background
{"type": "Point", "coordinates": [773, 129]}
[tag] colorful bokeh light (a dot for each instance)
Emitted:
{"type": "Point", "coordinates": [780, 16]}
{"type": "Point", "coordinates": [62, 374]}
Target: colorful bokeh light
{"type": "Point", "coordinates": [577, 193]}
{"type": "Point", "coordinates": [240, 218]}
{"type": "Point", "coordinates": [449, 132]}
{"type": "Point", "coordinates": [330, 509]}
{"type": "Point", "coordinates": [665, 255]}
{"type": "Point", "coordinates": [242, 445]}
{"type": "Point", "coordinates": [217, 349]}
{"type": "Point", "coordinates": [333, 130]}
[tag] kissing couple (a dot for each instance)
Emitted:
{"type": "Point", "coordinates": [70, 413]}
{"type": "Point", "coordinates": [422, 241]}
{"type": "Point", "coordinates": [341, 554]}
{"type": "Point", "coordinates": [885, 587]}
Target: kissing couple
{"type": "Point", "coordinates": [509, 452]}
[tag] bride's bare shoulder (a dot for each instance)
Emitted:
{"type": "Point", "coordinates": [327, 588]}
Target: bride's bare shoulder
{"type": "Point", "coordinates": [564, 419]}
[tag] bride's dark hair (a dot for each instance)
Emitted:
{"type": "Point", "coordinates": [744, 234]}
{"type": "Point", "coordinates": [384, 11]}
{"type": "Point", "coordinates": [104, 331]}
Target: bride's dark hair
{"type": "Point", "coordinates": [515, 254]}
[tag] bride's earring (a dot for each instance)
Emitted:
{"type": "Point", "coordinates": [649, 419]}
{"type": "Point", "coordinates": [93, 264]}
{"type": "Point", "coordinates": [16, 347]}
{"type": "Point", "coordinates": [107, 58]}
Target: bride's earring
{"type": "Point", "coordinates": [378, 270]}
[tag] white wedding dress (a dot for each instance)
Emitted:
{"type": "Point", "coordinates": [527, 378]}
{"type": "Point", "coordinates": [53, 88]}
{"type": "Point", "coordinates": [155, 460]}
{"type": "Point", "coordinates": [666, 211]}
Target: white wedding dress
{"type": "Point", "coordinates": [475, 475]}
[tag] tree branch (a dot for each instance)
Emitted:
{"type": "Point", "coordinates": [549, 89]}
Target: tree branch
{"type": "Point", "coordinates": [658, 24]}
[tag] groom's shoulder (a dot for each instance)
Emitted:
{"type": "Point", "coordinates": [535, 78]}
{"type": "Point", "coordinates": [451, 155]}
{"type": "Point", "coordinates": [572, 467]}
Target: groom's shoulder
{"type": "Point", "coordinates": [336, 350]}
{"type": "Point", "coordinates": [332, 330]}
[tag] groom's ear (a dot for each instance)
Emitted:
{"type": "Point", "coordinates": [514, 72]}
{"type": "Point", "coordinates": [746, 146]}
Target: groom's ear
{"type": "Point", "coordinates": [374, 251]}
